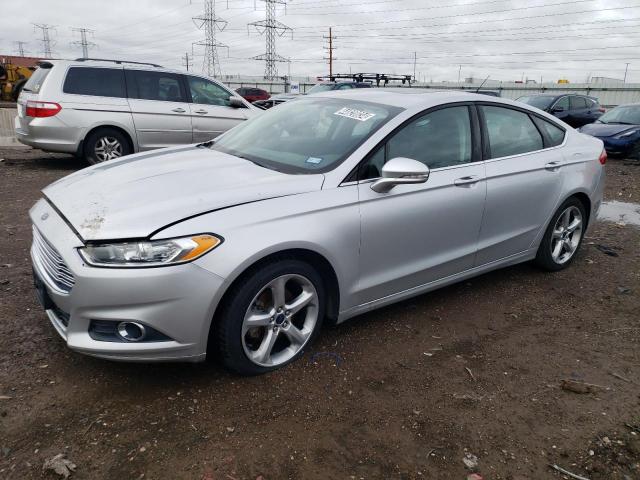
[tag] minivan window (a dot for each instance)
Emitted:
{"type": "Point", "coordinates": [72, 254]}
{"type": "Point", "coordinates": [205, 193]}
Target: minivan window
{"type": "Point", "coordinates": [208, 93]}
{"type": "Point", "coordinates": [34, 84]}
{"type": "Point", "coordinates": [99, 82]}
{"type": "Point", "coordinates": [160, 86]}
{"type": "Point", "coordinates": [510, 132]}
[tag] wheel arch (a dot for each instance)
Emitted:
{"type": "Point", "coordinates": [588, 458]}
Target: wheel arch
{"type": "Point", "coordinates": [119, 128]}
{"type": "Point", "coordinates": [312, 257]}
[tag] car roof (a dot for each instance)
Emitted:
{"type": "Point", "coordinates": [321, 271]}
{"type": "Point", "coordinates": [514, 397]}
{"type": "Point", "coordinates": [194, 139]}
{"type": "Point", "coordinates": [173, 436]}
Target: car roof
{"type": "Point", "coordinates": [411, 97]}
{"type": "Point", "coordinates": [559, 95]}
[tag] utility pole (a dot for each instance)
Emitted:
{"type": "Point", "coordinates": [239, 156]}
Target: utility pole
{"type": "Point", "coordinates": [330, 49]}
{"type": "Point", "coordinates": [626, 69]}
{"type": "Point", "coordinates": [211, 24]}
{"type": "Point", "coordinates": [186, 60]}
{"type": "Point", "coordinates": [269, 27]}
{"type": "Point", "coordinates": [46, 38]}
{"type": "Point", "coordinates": [415, 59]}
{"type": "Point", "coordinates": [83, 42]}
{"type": "Point", "coordinates": [459, 70]}
{"type": "Point", "coordinates": [20, 47]}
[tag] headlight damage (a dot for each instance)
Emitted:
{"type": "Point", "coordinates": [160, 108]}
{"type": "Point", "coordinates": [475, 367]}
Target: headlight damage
{"type": "Point", "coordinates": [149, 253]}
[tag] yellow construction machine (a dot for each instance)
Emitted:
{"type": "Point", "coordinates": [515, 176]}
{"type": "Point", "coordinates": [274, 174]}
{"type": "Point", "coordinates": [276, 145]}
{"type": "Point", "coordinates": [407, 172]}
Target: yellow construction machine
{"type": "Point", "coordinates": [12, 79]}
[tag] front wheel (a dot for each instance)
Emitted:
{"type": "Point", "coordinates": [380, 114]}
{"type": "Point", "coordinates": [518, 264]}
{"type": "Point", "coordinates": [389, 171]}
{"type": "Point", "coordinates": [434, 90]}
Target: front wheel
{"type": "Point", "coordinates": [270, 316]}
{"type": "Point", "coordinates": [563, 236]}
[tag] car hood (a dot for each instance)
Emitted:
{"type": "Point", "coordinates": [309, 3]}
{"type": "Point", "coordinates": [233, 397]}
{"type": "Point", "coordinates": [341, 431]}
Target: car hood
{"type": "Point", "coordinates": [606, 129]}
{"type": "Point", "coordinates": [140, 194]}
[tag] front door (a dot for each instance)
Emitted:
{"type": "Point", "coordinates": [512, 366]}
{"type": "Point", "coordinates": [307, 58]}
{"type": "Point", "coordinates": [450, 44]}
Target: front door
{"type": "Point", "coordinates": [524, 181]}
{"type": "Point", "coordinates": [211, 113]}
{"type": "Point", "coordinates": [417, 234]}
{"type": "Point", "coordinates": [159, 108]}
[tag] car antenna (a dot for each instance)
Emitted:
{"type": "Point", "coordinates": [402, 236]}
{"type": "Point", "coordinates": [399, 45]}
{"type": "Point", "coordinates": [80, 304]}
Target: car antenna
{"type": "Point", "coordinates": [482, 84]}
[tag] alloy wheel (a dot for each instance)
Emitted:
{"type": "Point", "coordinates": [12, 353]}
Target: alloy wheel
{"type": "Point", "coordinates": [566, 235]}
{"type": "Point", "coordinates": [280, 320]}
{"type": "Point", "coordinates": [107, 148]}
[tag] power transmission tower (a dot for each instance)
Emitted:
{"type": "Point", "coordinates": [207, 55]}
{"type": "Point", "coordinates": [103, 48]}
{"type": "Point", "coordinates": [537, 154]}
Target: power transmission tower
{"type": "Point", "coordinates": [270, 27]}
{"type": "Point", "coordinates": [187, 60]}
{"type": "Point", "coordinates": [330, 48]}
{"type": "Point", "coordinates": [47, 43]}
{"type": "Point", "coordinates": [20, 48]}
{"type": "Point", "coordinates": [83, 42]}
{"type": "Point", "coordinates": [211, 23]}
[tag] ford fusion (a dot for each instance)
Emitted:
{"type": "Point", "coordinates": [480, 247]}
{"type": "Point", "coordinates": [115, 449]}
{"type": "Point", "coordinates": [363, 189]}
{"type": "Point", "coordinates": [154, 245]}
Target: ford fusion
{"type": "Point", "coordinates": [319, 210]}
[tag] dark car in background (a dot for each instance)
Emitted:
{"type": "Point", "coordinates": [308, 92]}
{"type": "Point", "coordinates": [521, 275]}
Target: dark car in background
{"type": "Point", "coordinates": [576, 110]}
{"type": "Point", "coordinates": [329, 86]}
{"type": "Point", "coordinates": [619, 129]}
{"type": "Point", "coordinates": [252, 94]}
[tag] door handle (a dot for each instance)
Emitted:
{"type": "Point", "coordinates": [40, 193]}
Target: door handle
{"type": "Point", "coordinates": [201, 112]}
{"type": "Point", "coordinates": [553, 166]}
{"type": "Point", "coordinates": [469, 180]}
{"type": "Point", "coordinates": [179, 110]}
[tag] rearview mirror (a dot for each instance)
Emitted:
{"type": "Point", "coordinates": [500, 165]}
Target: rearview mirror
{"type": "Point", "coordinates": [235, 102]}
{"type": "Point", "coordinates": [400, 171]}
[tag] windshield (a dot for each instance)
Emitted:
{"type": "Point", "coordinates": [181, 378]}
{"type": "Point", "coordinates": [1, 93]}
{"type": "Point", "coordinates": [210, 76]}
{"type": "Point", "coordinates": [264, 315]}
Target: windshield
{"type": "Point", "coordinates": [539, 101]}
{"type": "Point", "coordinates": [625, 115]}
{"type": "Point", "coordinates": [306, 135]}
{"type": "Point", "coordinates": [322, 87]}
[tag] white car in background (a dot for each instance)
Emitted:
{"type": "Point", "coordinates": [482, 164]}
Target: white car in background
{"type": "Point", "coordinates": [105, 109]}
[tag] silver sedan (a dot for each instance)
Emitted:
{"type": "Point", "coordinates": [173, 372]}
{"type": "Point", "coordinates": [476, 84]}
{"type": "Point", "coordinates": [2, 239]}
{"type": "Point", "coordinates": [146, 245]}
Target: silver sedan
{"type": "Point", "coordinates": [322, 209]}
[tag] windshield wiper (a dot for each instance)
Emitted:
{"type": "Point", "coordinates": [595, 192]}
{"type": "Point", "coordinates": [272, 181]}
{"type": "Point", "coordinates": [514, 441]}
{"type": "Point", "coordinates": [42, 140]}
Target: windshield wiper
{"type": "Point", "coordinates": [623, 123]}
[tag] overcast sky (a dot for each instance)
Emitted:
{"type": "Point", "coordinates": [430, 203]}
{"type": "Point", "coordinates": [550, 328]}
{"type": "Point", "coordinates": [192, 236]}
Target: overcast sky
{"type": "Point", "coordinates": [506, 39]}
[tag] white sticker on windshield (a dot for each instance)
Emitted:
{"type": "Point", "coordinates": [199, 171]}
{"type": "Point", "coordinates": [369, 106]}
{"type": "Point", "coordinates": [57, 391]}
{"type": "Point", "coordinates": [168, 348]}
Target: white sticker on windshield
{"type": "Point", "coordinates": [314, 160]}
{"type": "Point", "coordinates": [355, 114]}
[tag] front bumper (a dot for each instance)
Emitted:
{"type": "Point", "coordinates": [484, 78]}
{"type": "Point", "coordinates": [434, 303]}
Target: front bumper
{"type": "Point", "coordinates": [177, 301]}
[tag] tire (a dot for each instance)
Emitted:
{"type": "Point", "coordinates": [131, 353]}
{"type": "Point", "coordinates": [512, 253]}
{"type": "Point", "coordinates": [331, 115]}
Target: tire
{"type": "Point", "coordinates": [245, 350]}
{"type": "Point", "coordinates": [563, 236]}
{"type": "Point", "coordinates": [105, 144]}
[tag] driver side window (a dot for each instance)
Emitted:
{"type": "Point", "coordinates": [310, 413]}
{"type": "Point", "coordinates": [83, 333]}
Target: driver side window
{"type": "Point", "coordinates": [207, 93]}
{"type": "Point", "coordinates": [441, 138]}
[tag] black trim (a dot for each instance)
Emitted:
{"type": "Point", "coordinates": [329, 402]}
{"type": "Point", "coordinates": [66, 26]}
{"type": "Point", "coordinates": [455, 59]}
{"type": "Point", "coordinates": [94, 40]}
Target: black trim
{"type": "Point", "coordinates": [64, 219]}
{"type": "Point", "coordinates": [486, 146]}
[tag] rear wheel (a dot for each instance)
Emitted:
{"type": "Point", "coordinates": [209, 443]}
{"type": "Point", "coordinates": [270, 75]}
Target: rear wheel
{"type": "Point", "coordinates": [105, 144]}
{"type": "Point", "coordinates": [563, 236]}
{"type": "Point", "coordinates": [270, 317]}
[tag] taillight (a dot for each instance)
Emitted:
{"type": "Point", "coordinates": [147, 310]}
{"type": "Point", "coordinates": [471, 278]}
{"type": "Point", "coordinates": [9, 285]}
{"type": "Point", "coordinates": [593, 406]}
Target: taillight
{"type": "Point", "coordinates": [42, 109]}
{"type": "Point", "coordinates": [603, 157]}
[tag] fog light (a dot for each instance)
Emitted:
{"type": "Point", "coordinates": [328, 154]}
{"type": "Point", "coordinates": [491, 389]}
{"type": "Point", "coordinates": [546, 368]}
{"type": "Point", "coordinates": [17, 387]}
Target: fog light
{"type": "Point", "coordinates": [131, 331]}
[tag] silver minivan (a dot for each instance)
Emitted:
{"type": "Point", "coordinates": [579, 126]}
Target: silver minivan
{"type": "Point", "coordinates": [104, 109]}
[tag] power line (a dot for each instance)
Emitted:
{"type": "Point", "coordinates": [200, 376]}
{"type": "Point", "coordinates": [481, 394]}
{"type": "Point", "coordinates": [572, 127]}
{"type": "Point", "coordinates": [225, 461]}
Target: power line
{"type": "Point", "coordinates": [269, 27]}
{"type": "Point", "coordinates": [83, 42]}
{"type": "Point", "coordinates": [211, 24]}
{"type": "Point", "coordinates": [46, 38]}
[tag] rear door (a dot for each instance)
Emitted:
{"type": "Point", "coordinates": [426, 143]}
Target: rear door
{"type": "Point", "coordinates": [160, 109]}
{"type": "Point", "coordinates": [210, 110]}
{"type": "Point", "coordinates": [524, 180]}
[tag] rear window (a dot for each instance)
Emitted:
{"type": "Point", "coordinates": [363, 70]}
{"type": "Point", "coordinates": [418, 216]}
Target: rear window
{"type": "Point", "coordinates": [578, 103]}
{"type": "Point", "coordinates": [34, 84]}
{"type": "Point", "coordinates": [99, 82]}
{"type": "Point", "coordinates": [555, 133]}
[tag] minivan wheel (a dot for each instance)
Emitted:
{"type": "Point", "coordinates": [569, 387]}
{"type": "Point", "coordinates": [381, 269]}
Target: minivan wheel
{"type": "Point", "coordinates": [270, 317]}
{"type": "Point", "coordinates": [105, 144]}
{"type": "Point", "coordinates": [563, 236]}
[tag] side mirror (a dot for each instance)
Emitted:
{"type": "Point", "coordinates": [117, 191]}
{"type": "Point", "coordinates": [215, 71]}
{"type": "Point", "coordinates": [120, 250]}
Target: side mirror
{"type": "Point", "coordinates": [400, 171]}
{"type": "Point", "coordinates": [235, 102]}
{"type": "Point", "coordinates": [557, 109]}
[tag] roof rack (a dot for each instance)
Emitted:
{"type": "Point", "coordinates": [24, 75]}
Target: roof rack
{"type": "Point", "coordinates": [83, 59]}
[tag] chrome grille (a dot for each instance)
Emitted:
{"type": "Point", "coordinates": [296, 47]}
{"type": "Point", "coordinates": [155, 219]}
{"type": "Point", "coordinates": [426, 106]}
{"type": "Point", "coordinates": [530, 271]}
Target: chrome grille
{"type": "Point", "coordinates": [51, 263]}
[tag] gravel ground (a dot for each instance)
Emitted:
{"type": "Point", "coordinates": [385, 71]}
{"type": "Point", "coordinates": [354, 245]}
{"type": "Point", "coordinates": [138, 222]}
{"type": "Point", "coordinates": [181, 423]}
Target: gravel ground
{"type": "Point", "coordinates": [472, 371]}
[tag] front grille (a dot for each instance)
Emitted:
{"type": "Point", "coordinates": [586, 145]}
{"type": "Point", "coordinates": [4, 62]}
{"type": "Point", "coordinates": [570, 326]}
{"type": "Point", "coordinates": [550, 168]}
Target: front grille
{"type": "Point", "coordinates": [51, 263]}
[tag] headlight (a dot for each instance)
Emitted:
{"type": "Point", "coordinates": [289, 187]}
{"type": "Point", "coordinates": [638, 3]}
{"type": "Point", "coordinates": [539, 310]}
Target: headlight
{"type": "Point", "coordinates": [627, 133]}
{"type": "Point", "coordinates": [149, 253]}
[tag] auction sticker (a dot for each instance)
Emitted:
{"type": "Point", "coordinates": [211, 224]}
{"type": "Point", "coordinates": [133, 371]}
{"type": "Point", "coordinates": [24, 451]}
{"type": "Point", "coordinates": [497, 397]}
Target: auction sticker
{"type": "Point", "coordinates": [355, 114]}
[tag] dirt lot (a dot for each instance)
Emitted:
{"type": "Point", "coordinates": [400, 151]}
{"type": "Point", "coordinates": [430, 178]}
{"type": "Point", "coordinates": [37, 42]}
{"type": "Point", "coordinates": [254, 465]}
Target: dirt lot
{"type": "Point", "coordinates": [406, 392]}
